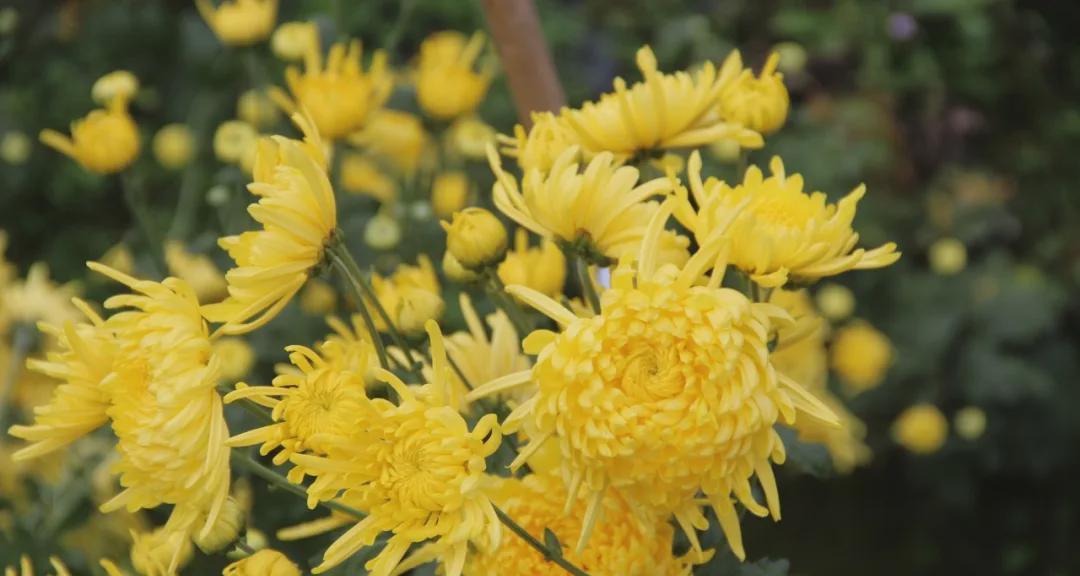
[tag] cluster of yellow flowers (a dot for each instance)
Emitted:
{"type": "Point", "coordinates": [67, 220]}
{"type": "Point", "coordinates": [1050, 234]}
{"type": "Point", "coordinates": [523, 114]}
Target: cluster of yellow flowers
{"type": "Point", "coordinates": [655, 395]}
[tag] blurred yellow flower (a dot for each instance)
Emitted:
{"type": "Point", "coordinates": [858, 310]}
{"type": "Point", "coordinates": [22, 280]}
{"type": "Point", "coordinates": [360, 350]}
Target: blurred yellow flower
{"type": "Point", "coordinates": [120, 84]}
{"type": "Point", "coordinates": [417, 469]}
{"type": "Point", "coordinates": [173, 146]}
{"type": "Point", "coordinates": [265, 562]}
{"type": "Point", "coordinates": [539, 147]}
{"type": "Point", "coordinates": [777, 231]}
{"type": "Point", "coordinates": [483, 358]}
{"type": "Point", "coordinates": [318, 298]}
{"type": "Point", "coordinates": [106, 141]}
{"type": "Point", "coordinates": [800, 355]}
{"type": "Point", "coordinates": [663, 398]}
{"type": "Point", "coordinates": [970, 422]}
{"type": "Point", "coordinates": [449, 192]}
{"type": "Point", "coordinates": [470, 136]}
{"type": "Point", "coordinates": [26, 567]}
{"type": "Point", "coordinates": [601, 211]}
{"type": "Point", "coordinates": [624, 545]}
{"type": "Point", "coordinates": [235, 142]}
{"type": "Point", "coordinates": [447, 86]}
{"type": "Point", "coordinates": [15, 147]}
{"type": "Point", "coordinates": [225, 530]}
{"type": "Point", "coordinates": [475, 237]}
{"type": "Point", "coordinates": [236, 357]}
{"type": "Point", "coordinates": [411, 296]}
{"type": "Point", "coordinates": [395, 136]}
{"type": "Point", "coordinates": [292, 40]}
{"type": "Point", "coordinates": [257, 108]}
{"type": "Point", "coordinates": [161, 552]}
{"type": "Point", "coordinates": [542, 268]}
{"type": "Point", "coordinates": [455, 271]}
{"type": "Point", "coordinates": [921, 429]}
{"type": "Point", "coordinates": [663, 111]}
{"type": "Point", "coordinates": [240, 22]}
{"type": "Point", "coordinates": [340, 97]}
{"type": "Point", "coordinates": [198, 270]}
{"type": "Point", "coordinates": [382, 232]}
{"type": "Point", "coordinates": [835, 301]}
{"type": "Point", "coordinates": [948, 256]}
{"type": "Point", "coordinates": [759, 103]}
{"type": "Point", "coordinates": [361, 175]}
{"type": "Point", "coordinates": [119, 258]}
{"type": "Point", "coordinates": [36, 298]}
{"type": "Point", "coordinates": [298, 212]}
{"type": "Point", "coordinates": [861, 355]}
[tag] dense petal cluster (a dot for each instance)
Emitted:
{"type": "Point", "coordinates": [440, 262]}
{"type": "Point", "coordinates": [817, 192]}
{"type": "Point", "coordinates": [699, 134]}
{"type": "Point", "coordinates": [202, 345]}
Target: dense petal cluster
{"type": "Point", "coordinates": [410, 296]}
{"type": "Point", "coordinates": [447, 86]}
{"type": "Point", "coordinates": [106, 141]}
{"type": "Point", "coordinates": [542, 268]}
{"type": "Point", "coordinates": [298, 212]}
{"type": "Point", "coordinates": [777, 231]}
{"type": "Point", "coordinates": [759, 103]}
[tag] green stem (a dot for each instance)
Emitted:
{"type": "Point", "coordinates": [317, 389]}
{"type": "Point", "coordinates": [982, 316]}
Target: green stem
{"type": "Point", "coordinates": [135, 198]}
{"type": "Point", "coordinates": [21, 343]}
{"type": "Point", "coordinates": [741, 165]}
{"type": "Point", "coordinates": [581, 267]}
{"type": "Point", "coordinates": [243, 547]}
{"type": "Point", "coordinates": [551, 556]}
{"type": "Point", "coordinates": [505, 301]}
{"type": "Point", "coordinates": [346, 266]}
{"type": "Point", "coordinates": [394, 36]}
{"type": "Point", "coordinates": [245, 461]}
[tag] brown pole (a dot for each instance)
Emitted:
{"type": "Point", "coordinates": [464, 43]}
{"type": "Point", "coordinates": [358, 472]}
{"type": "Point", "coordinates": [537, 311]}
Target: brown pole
{"type": "Point", "coordinates": [526, 60]}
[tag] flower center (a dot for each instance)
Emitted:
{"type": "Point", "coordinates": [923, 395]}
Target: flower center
{"type": "Point", "coordinates": [651, 375]}
{"type": "Point", "coordinates": [781, 211]}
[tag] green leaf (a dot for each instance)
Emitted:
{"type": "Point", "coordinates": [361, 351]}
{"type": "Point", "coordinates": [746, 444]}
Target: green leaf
{"type": "Point", "coordinates": [552, 543]}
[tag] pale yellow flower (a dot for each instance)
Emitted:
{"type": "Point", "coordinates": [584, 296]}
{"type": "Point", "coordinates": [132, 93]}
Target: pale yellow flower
{"type": "Point", "coordinates": [236, 357]}
{"type": "Point", "coordinates": [235, 142]}
{"type": "Point", "coordinates": [340, 96]}
{"type": "Point", "coordinates": [483, 358]}
{"type": "Point", "coordinates": [970, 422]}
{"type": "Point", "coordinates": [542, 268]}
{"type": "Point", "coordinates": [663, 397]}
{"type": "Point", "coordinates": [26, 567]}
{"type": "Point", "coordinates": [861, 355]}
{"type": "Point", "coordinates": [361, 175]}
{"type": "Point", "coordinates": [225, 531]}
{"type": "Point", "coordinates": [759, 103]}
{"type": "Point", "coordinates": [198, 270]}
{"type": "Point", "coordinates": [382, 232]}
{"type": "Point", "coordinates": [835, 301]}
{"type": "Point", "coordinates": [240, 22]}
{"type": "Point", "coordinates": [318, 298]}
{"type": "Point", "coordinates": [411, 296]}
{"type": "Point", "coordinates": [475, 237]}
{"type": "Point", "coordinates": [106, 141]}
{"type": "Point", "coordinates": [161, 552]}
{"type": "Point", "coordinates": [265, 562]}
{"type": "Point", "coordinates": [601, 210]}
{"type": "Point", "coordinates": [921, 428]}
{"type": "Point", "coordinates": [257, 109]}
{"type": "Point", "coordinates": [662, 111]}
{"type": "Point", "coordinates": [298, 212]}
{"type": "Point", "coordinates": [455, 271]}
{"type": "Point", "coordinates": [470, 136]}
{"type": "Point", "coordinates": [15, 147]}
{"type": "Point", "coordinates": [449, 192]}
{"type": "Point", "coordinates": [948, 256]}
{"type": "Point", "coordinates": [120, 84]}
{"type": "Point", "coordinates": [36, 298]}
{"type": "Point", "coordinates": [777, 231]}
{"type": "Point", "coordinates": [543, 143]}
{"type": "Point", "coordinates": [292, 40]}
{"type": "Point", "coordinates": [447, 86]}
{"type": "Point", "coordinates": [174, 146]}
{"type": "Point", "coordinates": [398, 137]}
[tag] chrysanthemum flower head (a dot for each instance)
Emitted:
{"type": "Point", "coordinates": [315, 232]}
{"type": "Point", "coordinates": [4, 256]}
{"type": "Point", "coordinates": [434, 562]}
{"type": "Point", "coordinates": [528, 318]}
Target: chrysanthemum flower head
{"type": "Point", "coordinates": [447, 86]}
{"type": "Point", "coordinates": [174, 146]}
{"type": "Point", "coordinates": [662, 111]}
{"type": "Point", "coordinates": [921, 428]}
{"type": "Point", "coordinates": [411, 296]}
{"type": "Point", "coordinates": [26, 567]}
{"type": "Point", "coordinates": [861, 356]}
{"type": "Point", "coordinates": [36, 298]}
{"type": "Point", "coordinates": [668, 392]}
{"type": "Point", "coordinates": [297, 210]}
{"type": "Point", "coordinates": [540, 145]}
{"type": "Point", "coordinates": [240, 22]}
{"type": "Point", "coordinates": [600, 210]}
{"type": "Point", "coordinates": [292, 40]}
{"type": "Point", "coordinates": [106, 141]}
{"type": "Point", "coordinates": [482, 357]}
{"type": "Point", "coordinates": [624, 545]}
{"type": "Point", "coordinates": [759, 103]}
{"type": "Point", "coordinates": [341, 96]}
{"type": "Point", "coordinates": [265, 562]}
{"type": "Point", "coordinates": [160, 552]}
{"type": "Point", "coordinates": [396, 136]}
{"type": "Point", "coordinates": [415, 468]}
{"type": "Point", "coordinates": [779, 231]}
{"type": "Point", "coordinates": [117, 84]}
{"type": "Point", "coordinates": [198, 270]}
{"type": "Point", "coordinates": [542, 268]}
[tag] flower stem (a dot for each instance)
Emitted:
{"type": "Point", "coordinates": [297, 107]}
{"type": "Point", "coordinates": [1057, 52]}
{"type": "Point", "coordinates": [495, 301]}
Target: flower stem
{"type": "Point", "coordinates": [245, 461]}
{"type": "Point", "coordinates": [505, 301]}
{"type": "Point", "coordinates": [551, 555]}
{"type": "Point", "coordinates": [581, 267]}
{"type": "Point", "coordinates": [346, 266]}
{"type": "Point", "coordinates": [135, 198]}
{"type": "Point", "coordinates": [22, 341]}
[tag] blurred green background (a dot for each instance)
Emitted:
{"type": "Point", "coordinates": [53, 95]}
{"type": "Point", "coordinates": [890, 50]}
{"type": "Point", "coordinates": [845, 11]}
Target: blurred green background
{"type": "Point", "coordinates": [962, 117]}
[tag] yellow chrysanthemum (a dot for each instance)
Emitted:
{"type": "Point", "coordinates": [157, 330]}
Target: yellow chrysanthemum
{"type": "Point", "coordinates": [149, 370]}
{"type": "Point", "coordinates": [666, 394]}
{"type": "Point", "coordinates": [947, 256]}
{"type": "Point", "coordinates": [447, 86]}
{"type": "Point", "coordinates": [119, 257]}
{"type": "Point", "coordinates": [416, 470]}
{"type": "Point", "coordinates": [800, 355]}
{"type": "Point", "coordinates": [257, 109]}
{"type": "Point", "coordinates": [449, 193]}
{"type": "Point", "coordinates": [26, 567]}
{"type": "Point", "coordinates": [542, 268]}
{"type": "Point", "coordinates": [396, 136]}
{"type": "Point", "coordinates": [921, 428]}
{"type": "Point", "coordinates": [341, 96]}
{"type": "Point", "coordinates": [861, 355]}
{"type": "Point", "coordinates": [476, 238]}
{"type": "Point", "coordinates": [623, 546]}
{"type": "Point", "coordinates": [235, 142]}
{"type": "Point", "coordinates": [198, 270]}
{"type": "Point", "coordinates": [480, 357]}
{"type": "Point", "coordinates": [36, 298]}
{"type": "Point", "coordinates": [361, 175]}
{"type": "Point", "coordinates": [539, 146]}
{"type": "Point", "coordinates": [161, 552]}
{"type": "Point", "coordinates": [240, 22]}
{"type": "Point", "coordinates": [759, 103]}
{"type": "Point", "coordinates": [292, 40]}
{"type": "Point", "coordinates": [318, 298]}
{"type": "Point", "coordinates": [470, 136]}
{"type": "Point", "coordinates": [297, 210]}
{"type": "Point", "coordinates": [263, 563]}
{"type": "Point", "coordinates": [106, 141]}
{"type": "Point", "coordinates": [601, 211]}
{"type": "Point", "coordinates": [174, 146]}
{"type": "Point", "coordinates": [780, 232]}
{"type": "Point", "coordinates": [15, 147]}
{"type": "Point", "coordinates": [411, 296]}
{"type": "Point", "coordinates": [236, 358]}
{"type": "Point", "coordinates": [117, 84]}
{"type": "Point", "coordinates": [663, 111]}
{"type": "Point", "coordinates": [970, 422]}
